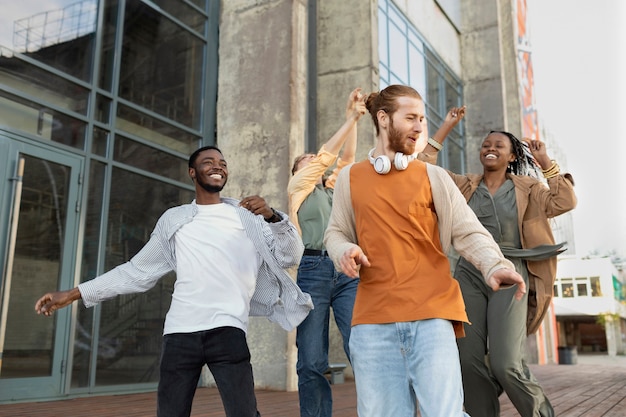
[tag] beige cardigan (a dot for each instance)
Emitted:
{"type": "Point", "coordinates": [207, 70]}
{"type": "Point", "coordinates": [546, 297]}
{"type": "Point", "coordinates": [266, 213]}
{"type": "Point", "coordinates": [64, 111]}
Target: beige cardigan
{"type": "Point", "coordinates": [458, 225]}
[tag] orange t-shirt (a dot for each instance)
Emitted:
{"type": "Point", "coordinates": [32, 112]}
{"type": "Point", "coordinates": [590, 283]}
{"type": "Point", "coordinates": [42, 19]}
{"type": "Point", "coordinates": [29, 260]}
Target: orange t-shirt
{"type": "Point", "coordinates": [396, 225]}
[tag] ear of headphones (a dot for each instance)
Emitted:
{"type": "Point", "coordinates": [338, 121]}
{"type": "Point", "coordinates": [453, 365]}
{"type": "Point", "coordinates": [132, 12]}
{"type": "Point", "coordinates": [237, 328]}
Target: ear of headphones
{"type": "Point", "coordinates": [382, 164]}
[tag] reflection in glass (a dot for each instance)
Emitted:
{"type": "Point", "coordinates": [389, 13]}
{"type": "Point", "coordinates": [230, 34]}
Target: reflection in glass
{"type": "Point", "coordinates": [40, 121]}
{"type": "Point", "coordinates": [103, 109]}
{"type": "Point", "coordinates": [61, 37]}
{"type": "Point", "coordinates": [154, 130]}
{"type": "Point", "coordinates": [107, 52]}
{"type": "Point", "coordinates": [151, 159]}
{"type": "Point", "coordinates": [131, 326]}
{"type": "Point", "coordinates": [89, 265]}
{"type": "Point", "coordinates": [29, 344]}
{"type": "Point", "coordinates": [161, 67]}
{"type": "Point", "coordinates": [100, 141]}
{"type": "Point", "coordinates": [31, 80]}
{"type": "Point", "coordinates": [185, 13]}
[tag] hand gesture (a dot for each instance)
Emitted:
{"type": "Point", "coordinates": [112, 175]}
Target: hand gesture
{"type": "Point", "coordinates": [505, 277]}
{"type": "Point", "coordinates": [257, 205]}
{"type": "Point", "coordinates": [356, 105]}
{"type": "Point", "coordinates": [53, 301]}
{"type": "Point", "coordinates": [538, 150]}
{"type": "Point", "coordinates": [351, 261]}
{"type": "Point", "coordinates": [455, 115]}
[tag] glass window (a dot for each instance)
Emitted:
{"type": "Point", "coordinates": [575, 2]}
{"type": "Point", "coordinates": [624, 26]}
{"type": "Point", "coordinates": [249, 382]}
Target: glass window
{"type": "Point", "coordinates": [137, 123]}
{"type": "Point", "coordinates": [131, 326]}
{"type": "Point", "coordinates": [596, 289]}
{"type": "Point", "coordinates": [405, 58]}
{"type": "Point", "coordinates": [567, 288]}
{"type": "Point", "coordinates": [100, 141]}
{"type": "Point", "coordinates": [582, 287]}
{"type": "Point", "coordinates": [90, 258]}
{"type": "Point", "coordinates": [107, 52]}
{"type": "Point", "coordinates": [398, 52]}
{"type": "Point", "coordinates": [60, 34]}
{"type": "Point", "coordinates": [185, 13]}
{"type": "Point", "coordinates": [555, 290]}
{"type": "Point", "coordinates": [161, 68]}
{"type": "Point", "coordinates": [38, 120]}
{"type": "Point", "coordinates": [29, 79]}
{"type": "Point", "coordinates": [150, 159]}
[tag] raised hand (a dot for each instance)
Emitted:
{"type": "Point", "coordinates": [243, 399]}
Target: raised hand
{"type": "Point", "coordinates": [356, 105]}
{"type": "Point", "coordinates": [538, 150]}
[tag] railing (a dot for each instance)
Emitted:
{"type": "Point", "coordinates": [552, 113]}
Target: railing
{"type": "Point", "coordinates": [55, 26]}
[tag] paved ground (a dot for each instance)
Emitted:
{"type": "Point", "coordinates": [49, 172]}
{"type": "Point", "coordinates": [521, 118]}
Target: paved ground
{"type": "Point", "coordinates": [594, 387]}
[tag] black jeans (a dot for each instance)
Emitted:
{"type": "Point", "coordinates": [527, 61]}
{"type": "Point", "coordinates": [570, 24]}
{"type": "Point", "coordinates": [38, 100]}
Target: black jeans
{"type": "Point", "coordinates": [225, 351]}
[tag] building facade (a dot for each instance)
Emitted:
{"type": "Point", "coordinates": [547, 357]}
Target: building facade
{"type": "Point", "coordinates": [590, 305]}
{"type": "Point", "coordinates": [102, 101]}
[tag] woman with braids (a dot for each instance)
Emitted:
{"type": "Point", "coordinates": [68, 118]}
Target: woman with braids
{"type": "Point", "coordinates": [514, 203]}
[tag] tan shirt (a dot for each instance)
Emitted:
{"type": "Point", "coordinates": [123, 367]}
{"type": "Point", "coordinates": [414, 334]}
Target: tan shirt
{"type": "Point", "coordinates": [456, 222]}
{"type": "Point", "coordinates": [302, 183]}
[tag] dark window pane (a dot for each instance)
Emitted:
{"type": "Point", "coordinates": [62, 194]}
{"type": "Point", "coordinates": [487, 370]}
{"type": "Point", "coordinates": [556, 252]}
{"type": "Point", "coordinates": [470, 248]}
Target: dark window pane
{"type": "Point", "coordinates": [131, 325]}
{"type": "Point", "coordinates": [90, 258]}
{"type": "Point", "coordinates": [100, 141]}
{"type": "Point", "coordinates": [161, 66]}
{"type": "Point", "coordinates": [108, 45]}
{"type": "Point", "coordinates": [151, 159]}
{"type": "Point", "coordinates": [43, 85]}
{"type": "Point", "coordinates": [154, 130]}
{"type": "Point", "coordinates": [185, 13]}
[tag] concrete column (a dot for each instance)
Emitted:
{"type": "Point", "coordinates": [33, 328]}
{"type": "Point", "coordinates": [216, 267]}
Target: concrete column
{"type": "Point", "coordinates": [489, 61]}
{"type": "Point", "coordinates": [261, 111]}
{"type": "Point", "coordinates": [347, 57]}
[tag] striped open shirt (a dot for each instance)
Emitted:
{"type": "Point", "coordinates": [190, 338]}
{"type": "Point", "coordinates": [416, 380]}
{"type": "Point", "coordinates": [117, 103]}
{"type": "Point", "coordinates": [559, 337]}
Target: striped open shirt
{"type": "Point", "coordinates": [278, 245]}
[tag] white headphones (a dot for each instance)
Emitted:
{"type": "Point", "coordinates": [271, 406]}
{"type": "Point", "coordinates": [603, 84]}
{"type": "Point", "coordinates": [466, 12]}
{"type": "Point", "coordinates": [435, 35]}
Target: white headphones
{"type": "Point", "coordinates": [382, 164]}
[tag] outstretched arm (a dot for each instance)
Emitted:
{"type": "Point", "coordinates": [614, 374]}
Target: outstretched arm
{"type": "Point", "coordinates": [53, 301]}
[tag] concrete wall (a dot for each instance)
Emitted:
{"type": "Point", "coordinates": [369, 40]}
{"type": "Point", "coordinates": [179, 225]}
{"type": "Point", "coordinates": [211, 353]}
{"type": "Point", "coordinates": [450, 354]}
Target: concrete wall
{"type": "Point", "coordinates": [489, 72]}
{"type": "Point", "coordinates": [347, 58]}
{"type": "Point", "coordinates": [261, 120]}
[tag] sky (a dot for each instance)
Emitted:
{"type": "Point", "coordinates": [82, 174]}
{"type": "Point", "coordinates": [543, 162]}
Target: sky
{"type": "Point", "coordinates": [578, 50]}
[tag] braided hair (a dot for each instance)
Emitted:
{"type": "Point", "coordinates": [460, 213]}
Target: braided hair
{"type": "Point", "coordinates": [524, 163]}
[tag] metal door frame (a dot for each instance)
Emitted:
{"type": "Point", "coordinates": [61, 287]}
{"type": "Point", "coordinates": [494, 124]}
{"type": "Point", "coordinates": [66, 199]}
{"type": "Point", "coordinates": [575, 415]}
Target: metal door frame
{"type": "Point", "coordinates": [55, 384]}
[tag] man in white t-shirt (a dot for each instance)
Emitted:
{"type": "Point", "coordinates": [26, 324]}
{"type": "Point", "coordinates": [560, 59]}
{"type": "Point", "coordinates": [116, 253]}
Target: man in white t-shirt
{"type": "Point", "coordinates": [230, 259]}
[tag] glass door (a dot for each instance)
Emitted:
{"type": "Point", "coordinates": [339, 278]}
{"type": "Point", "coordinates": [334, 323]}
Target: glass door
{"type": "Point", "coordinates": [39, 193]}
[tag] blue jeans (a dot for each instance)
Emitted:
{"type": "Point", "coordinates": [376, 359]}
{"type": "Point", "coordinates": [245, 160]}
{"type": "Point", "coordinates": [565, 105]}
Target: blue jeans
{"type": "Point", "coordinates": [400, 365]}
{"type": "Point", "coordinates": [225, 351]}
{"type": "Point", "coordinates": [328, 288]}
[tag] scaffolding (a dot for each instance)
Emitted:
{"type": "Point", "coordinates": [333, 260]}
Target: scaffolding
{"type": "Point", "coordinates": [55, 26]}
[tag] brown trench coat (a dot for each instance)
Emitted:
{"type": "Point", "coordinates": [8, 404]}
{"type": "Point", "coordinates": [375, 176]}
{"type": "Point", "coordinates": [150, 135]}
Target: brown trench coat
{"type": "Point", "coordinates": [536, 203]}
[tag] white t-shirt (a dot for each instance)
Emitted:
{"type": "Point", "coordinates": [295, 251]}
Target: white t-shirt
{"type": "Point", "coordinates": [217, 267]}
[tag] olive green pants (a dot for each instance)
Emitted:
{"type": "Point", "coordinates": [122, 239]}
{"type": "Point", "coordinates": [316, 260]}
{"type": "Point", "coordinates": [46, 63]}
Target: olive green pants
{"type": "Point", "coordinates": [492, 352]}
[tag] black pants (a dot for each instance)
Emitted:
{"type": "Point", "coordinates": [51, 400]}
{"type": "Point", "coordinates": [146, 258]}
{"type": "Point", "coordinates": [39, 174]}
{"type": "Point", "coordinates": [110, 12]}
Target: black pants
{"type": "Point", "coordinates": [225, 351]}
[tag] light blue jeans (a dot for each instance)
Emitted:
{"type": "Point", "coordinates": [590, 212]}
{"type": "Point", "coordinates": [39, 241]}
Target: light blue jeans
{"type": "Point", "coordinates": [328, 289]}
{"type": "Point", "coordinates": [400, 365]}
